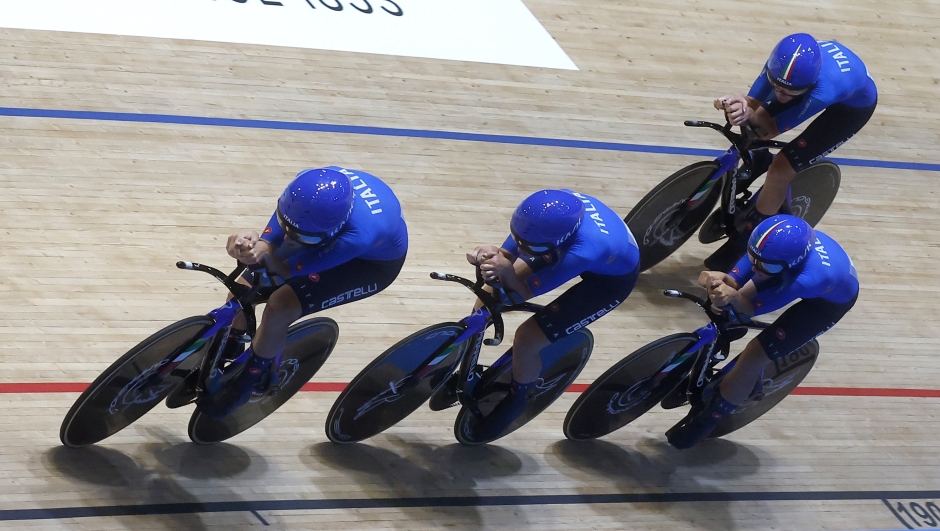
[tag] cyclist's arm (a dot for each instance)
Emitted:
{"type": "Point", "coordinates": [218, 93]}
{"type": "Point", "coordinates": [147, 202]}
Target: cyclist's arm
{"type": "Point", "coordinates": [273, 233]}
{"type": "Point", "coordinates": [742, 271]}
{"type": "Point", "coordinates": [763, 122]}
{"type": "Point", "coordinates": [514, 279]}
{"type": "Point", "coordinates": [277, 266]}
{"type": "Point", "coordinates": [739, 299]}
{"type": "Point", "coordinates": [743, 302]}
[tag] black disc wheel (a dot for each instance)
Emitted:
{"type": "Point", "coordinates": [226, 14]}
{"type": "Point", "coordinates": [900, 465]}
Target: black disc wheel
{"type": "Point", "coordinates": [132, 385]}
{"type": "Point", "coordinates": [813, 190]}
{"type": "Point", "coordinates": [669, 215]}
{"type": "Point", "coordinates": [631, 387]}
{"type": "Point", "coordinates": [396, 383]}
{"type": "Point", "coordinates": [778, 381]}
{"type": "Point", "coordinates": [309, 344]}
{"type": "Point", "coordinates": [562, 362]}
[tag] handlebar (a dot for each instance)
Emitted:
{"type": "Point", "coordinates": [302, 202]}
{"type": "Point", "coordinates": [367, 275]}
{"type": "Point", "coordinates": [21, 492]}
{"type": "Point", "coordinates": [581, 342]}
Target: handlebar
{"type": "Point", "coordinates": [723, 316]}
{"type": "Point", "coordinates": [743, 142]}
{"type": "Point", "coordinates": [491, 302]}
{"type": "Point", "coordinates": [244, 295]}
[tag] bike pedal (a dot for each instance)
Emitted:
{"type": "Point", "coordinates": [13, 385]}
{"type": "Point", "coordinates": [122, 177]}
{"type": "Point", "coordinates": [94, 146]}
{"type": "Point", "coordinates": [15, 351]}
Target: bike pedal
{"type": "Point", "coordinates": [446, 395]}
{"type": "Point", "coordinates": [443, 405]}
{"type": "Point", "coordinates": [179, 400]}
{"type": "Point", "coordinates": [678, 397]}
{"type": "Point", "coordinates": [185, 393]}
{"type": "Point", "coordinates": [712, 229]}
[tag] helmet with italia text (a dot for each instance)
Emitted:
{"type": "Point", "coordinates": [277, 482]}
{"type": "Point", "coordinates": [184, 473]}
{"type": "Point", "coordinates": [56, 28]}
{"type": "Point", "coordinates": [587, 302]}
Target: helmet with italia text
{"type": "Point", "coordinates": [315, 205]}
{"type": "Point", "coordinates": [545, 220]}
{"type": "Point", "coordinates": [780, 243]}
{"type": "Point", "coordinates": [795, 63]}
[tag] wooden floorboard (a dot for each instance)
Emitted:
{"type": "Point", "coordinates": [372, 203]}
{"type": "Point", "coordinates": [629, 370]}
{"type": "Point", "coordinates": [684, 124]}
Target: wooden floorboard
{"type": "Point", "coordinates": [95, 212]}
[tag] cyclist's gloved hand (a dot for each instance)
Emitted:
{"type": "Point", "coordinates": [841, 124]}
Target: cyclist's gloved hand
{"type": "Point", "coordinates": [254, 379]}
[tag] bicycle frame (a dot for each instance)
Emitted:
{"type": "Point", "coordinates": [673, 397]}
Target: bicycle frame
{"type": "Point", "coordinates": [713, 344]}
{"type": "Point", "coordinates": [244, 298]}
{"type": "Point", "coordinates": [726, 175]}
{"type": "Point", "coordinates": [476, 324]}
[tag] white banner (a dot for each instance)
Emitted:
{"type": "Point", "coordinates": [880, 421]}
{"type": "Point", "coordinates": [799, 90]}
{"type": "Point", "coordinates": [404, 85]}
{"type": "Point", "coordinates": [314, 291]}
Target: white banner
{"type": "Point", "coordinates": [487, 31]}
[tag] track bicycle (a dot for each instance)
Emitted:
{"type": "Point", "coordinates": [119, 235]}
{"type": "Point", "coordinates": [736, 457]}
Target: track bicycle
{"type": "Point", "coordinates": [188, 359]}
{"type": "Point", "coordinates": [672, 211]}
{"type": "Point", "coordinates": [676, 370]}
{"type": "Point", "coordinates": [440, 362]}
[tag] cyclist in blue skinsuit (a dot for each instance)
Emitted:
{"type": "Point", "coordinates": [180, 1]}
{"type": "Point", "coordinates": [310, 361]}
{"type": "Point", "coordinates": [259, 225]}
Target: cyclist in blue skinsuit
{"type": "Point", "coordinates": [556, 235]}
{"type": "Point", "coordinates": [337, 236]}
{"type": "Point", "coordinates": [786, 260]}
{"type": "Point", "coordinates": [802, 77]}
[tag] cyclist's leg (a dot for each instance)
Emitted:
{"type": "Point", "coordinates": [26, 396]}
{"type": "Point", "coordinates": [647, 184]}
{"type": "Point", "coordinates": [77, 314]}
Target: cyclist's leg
{"type": "Point", "coordinates": [584, 303]}
{"type": "Point", "coordinates": [349, 282]}
{"type": "Point", "coordinates": [527, 342]}
{"type": "Point", "coordinates": [761, 158]}
{"type": "Point", "coordinates": [836, 125]}
{"type": "Point", "coordinates": [774, 191]}
{"type": "Point", "coordinates": [798, 325]}
{"type": "Point", "coordinates": [255, 375]}
{"type": "Point", "coordinates": [238, 335]}
{"type": "Point", "coordinates": [827, 132]}
{"type": "Point", "coordinates": [304, 295]}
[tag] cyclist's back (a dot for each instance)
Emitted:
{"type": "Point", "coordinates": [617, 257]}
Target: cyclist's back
{"type": "Point", "coordinates": [375, 230]}
{"type": "Point", "coordinates": [602, 245]}
{"type": "Point", "coordinates": [827, 274]}
{"type": "Point", "coordinates": [843, 79]}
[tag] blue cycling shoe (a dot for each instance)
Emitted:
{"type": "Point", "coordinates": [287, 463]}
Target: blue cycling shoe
{"type": "Point", "coordinates": [254, 379]}
{"type": "Point", "coordinates": [506, 411]}
{"type": "Point", "coordinates": [699, 422]}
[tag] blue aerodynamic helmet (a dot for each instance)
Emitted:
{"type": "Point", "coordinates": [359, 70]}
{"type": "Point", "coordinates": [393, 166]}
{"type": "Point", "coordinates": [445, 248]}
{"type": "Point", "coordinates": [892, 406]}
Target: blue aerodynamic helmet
{"type": "Point", "coordinates": [780, 243]}
{"type": "Point", "coordinates": [795, 63]}
{"type": "Point", "coordinates": [315, 205]}
{"type": "Point", "coordinates": [545, 220]}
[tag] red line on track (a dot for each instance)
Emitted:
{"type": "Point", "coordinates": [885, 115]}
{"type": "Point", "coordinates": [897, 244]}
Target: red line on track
{"type": "Point", "coordinates": [335, 387]}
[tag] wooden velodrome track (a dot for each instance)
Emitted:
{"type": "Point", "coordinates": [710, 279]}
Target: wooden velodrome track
{"type": "Point", "coordinates": [97, 208]}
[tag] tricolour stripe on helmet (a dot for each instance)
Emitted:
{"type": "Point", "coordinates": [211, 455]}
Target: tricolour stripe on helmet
{"type": "Point", "coordinates": [789, 69]}
{"type": "Point", "coordinates": [763, 237]}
